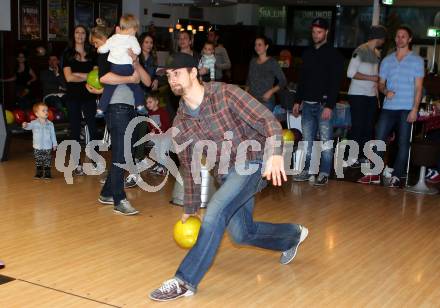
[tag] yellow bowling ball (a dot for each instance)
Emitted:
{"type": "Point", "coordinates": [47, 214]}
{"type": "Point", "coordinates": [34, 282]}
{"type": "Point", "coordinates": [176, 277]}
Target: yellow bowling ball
{"type": "Point", "coordinates": [185, 234]}
{"type": "Point", "coordinates": [9, 117]}
{"type": "Point", "coordinates": [288, 135]}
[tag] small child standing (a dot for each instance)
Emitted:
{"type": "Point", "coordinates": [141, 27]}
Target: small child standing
{"type": "Point", "coordinates": [208, 61]}
{"type": "Point", "coordinates": [121, 63]}
{"type": "Point", "coordinates": [44, 140]}
{"type": "Point", "coordinates": [159, 116]}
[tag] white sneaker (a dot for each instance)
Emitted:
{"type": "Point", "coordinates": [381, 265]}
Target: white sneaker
{"type": "Point", "coordinates": [131, 180]}
{"type": "Point", "coordinates": [78, 171]}
{"type": "Point", "coordinates": [145, 164]}
{"type": "Point", "coordinates": [433, 174]}
{"type": "Point", "coordinates": [388, 172]}
{"type": "Point", "coordinates": [429, 173]}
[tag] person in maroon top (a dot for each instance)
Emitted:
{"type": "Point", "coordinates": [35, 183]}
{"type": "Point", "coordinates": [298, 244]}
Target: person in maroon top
{"type": "Point", "coordinates": [158, 114]}
{"type": "Point", "coordinates": [162, 120]}
{"type": "Point", "coordinates": [237, 128]}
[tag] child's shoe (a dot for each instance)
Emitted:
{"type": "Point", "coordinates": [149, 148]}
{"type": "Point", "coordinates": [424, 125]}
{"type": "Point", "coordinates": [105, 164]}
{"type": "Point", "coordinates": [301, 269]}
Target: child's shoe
{"type": "Point", "coordinates": [141, 110]}
{"type": "Point", "coordinates": [47, 175]}
{"type": "Point", "coordinates": [38, 172]}
{"type": "Point", "coordinates": [99, 114]}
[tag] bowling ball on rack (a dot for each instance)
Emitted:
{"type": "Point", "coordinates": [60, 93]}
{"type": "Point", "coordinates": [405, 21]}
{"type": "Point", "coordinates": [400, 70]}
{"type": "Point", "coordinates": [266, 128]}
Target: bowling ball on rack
{"type": "Point", "coordinates": [50, 114]}
{"type": "Point", "coordinates": [19, 116]}
{"type": "Point", "coordinates": [30, 116]}
{"type": "Point", "coordinates": [9, 117]}
{"type": "Point", "coordinates": [59, 116]}
{"type": "Point", "coordinates": [288, 135]}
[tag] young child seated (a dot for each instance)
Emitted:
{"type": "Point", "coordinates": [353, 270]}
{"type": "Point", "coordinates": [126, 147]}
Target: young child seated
{"type": "Point", "coordinates": [208, 61]}
{"type": "Point", "coordinates": [121, 63]}
{"type": "Point", "coordinates": [159, 116]}
{"type": "Point", "coordinates": [44, 140]}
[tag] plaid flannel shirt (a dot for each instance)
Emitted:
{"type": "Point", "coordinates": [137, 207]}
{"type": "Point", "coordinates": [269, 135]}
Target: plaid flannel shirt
{"type": "Point", "coordinates": [224, 108]}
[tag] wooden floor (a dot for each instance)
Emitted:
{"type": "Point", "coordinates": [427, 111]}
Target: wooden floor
{"type": "Point", "coordinates": [367, 247]}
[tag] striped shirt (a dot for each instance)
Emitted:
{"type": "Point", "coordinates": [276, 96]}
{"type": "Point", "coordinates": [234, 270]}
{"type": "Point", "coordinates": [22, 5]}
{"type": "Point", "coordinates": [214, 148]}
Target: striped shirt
{"type": "Point", "coordinates": [225, 108]}
{"type": "Point", "coordinates": [400, 78]}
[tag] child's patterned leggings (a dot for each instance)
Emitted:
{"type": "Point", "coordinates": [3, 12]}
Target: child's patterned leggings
{"type": "Point", "coordinates": [43, 158]}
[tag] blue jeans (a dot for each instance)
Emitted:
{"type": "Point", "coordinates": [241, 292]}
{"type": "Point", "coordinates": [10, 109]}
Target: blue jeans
{"type": "Point", "coordinates": [312, 123]}
{"type": "Point", "coordinates": [270, 104]}
{"type": "Point", "coordinates": [390, 120]}
{"type": "Point", "coordinates": [231, 208]}
{"type": "Point", "coordinates": [363, 112]}
{"type": "Point", "coordinates": [117, 118]}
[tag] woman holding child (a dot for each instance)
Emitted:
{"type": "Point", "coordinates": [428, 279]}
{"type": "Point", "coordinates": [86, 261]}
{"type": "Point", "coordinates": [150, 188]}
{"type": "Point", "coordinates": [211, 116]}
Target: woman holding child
{"type": "Point", "coordinates": [119, 114]}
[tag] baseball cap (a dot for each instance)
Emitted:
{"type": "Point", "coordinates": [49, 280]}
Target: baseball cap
{"type": "Point", "coordinates": [179, 60]}
{"type": "Point", "coordinates": [320, 23]}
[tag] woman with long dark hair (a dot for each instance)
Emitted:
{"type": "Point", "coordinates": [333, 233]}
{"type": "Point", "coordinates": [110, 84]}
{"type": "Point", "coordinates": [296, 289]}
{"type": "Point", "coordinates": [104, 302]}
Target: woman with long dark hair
{"type": "Point", "coordinates": [265, 76]}
{"type": "Point", "coordinates": [78, 61]}
{"type": "Point", "coordinates": [148, 60]}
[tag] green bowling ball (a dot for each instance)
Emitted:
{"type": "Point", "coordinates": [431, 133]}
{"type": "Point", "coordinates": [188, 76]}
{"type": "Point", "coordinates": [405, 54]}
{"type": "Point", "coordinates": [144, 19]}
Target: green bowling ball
{"type": "Point", "coordinates": [93, 79]}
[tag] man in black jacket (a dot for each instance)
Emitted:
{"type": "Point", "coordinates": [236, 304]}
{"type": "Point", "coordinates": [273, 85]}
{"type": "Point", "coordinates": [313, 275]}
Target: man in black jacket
{"type": "Point", "coordinates": [318, 89]}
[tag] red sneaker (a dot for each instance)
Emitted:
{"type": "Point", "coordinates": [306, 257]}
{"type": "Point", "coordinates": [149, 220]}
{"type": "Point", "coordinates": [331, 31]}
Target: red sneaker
{"type": "Point", "coordinates": [434, 179]}
{"type": "Point", "coordinates": [369, 179]}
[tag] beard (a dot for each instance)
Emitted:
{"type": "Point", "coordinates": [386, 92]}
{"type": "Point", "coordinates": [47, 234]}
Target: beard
{"type": "Point", "coordinates": [402, 45]}
{"type": "Point", "coordinates": [318, 40]}
{"type": "Point", "coordinates": [177, 90]}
